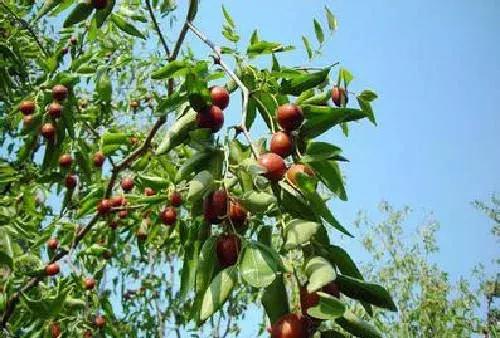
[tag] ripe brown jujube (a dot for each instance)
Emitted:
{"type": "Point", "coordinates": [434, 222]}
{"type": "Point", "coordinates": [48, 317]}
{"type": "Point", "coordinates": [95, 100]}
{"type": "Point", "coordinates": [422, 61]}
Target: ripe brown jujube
{"type": "Point", "coordinates": [237, 214]}
{"type": "Point", "coordinates": [175, 199]}
{"type": "Point", "coordinates": [228, 249]}
{"type": "Point", "coordinates": [99, 4]}
{"type": "Point", "coordinates": [53, 244]}
{"type": "Point", "coordinates": [55, 110]}
{"type": "Point", "coordinates": [211, 118]}
{"type": "Point", "coordinates": [65, 160]}
{"type": "Point", "coordinates": [148, 191]}
{"type": "Point", "coordinates": [274, 165]}
{"type": "Point", "coordinates": [100, 321]}
{"type": "Point", "coordinates": [59, 92]}
{"type": "Point", "coordinates": [55, 330]}
{"type": "Point", "coordinates": [70, 181]}
{"type": "Point", "coordinates": [27, 107]}
{"type": "Point", "coordinates": [98, 159]}
{"type": "Point", "coordinates": [104, 206]}
{"type": "Point", "coordinates": [220, 97]}
{"type": "Point", "coordinates": [339, 96]}
{"type": "Point", "coordinates": [127, 183]}
{"type": "Point", "coordinates": [48, 131]}
{"type": "Point", "coordinates": [289, 116]}
{"type": "Point", "coordinates": [52, 269]}
{"type": "Point", "coordinates": [169, 216]}
{"type": "Point", "coordinates": [291, 325]}
{"type": "Point", "coordinates": [281, 144]}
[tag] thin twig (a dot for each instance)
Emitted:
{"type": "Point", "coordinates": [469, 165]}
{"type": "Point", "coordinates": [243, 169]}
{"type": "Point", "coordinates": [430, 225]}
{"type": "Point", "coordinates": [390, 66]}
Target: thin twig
{"type": "Point", "coordinates": [27, 27]}
{"type": "Point", "coordinates": [157, 28]}
{"type": "Point", "coordinates": [235, 78]}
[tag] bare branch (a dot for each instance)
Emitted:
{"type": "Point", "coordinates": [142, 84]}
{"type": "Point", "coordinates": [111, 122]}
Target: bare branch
{"type": "Point", "coordinates": [235, 78]}
{"type": "Point", "coordinates": [157, 28]}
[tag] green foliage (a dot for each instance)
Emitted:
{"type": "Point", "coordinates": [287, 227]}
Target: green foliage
{"type": "Point", "coordinates": [136, 100]}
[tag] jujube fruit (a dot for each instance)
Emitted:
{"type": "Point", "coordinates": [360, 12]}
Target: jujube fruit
{"type": "Point", "coordinates": [104, 206]}
{"type": "Point", "coordinates": [55, 330]}
{"type": "Point", "coordinates": [100, 321]}
{"type": "Point", "coordinates": [59, 92]}
{"type": "Point", "coordinates": [169, 216]}
{"type": "Point", "coordinates": [65, 160]}
{"type": "Point", "coordinates": [281, 144]}
{"type": "Point", "coordinates": [117, 201]}
{"type": "Point", "coordinates": [211, 118]}
{"type": "Point", "coordinates": [53, 244]}
{"type": "Point", "coordinates": [228, 249]}
{"type": "Point", "coordinates": [148, 191]}
{"type": "Point", "coordinates": [339, 96]}
{"type": "Point", "coordinates": [55, 110]}
{"type": "Point", "coordinates": [290, 325]}
{"type": "Point", "coordinates": [89, 283]}
{"type": "Point", "coordinates": [27, 120]}
{"type": "Point", "coordinates": [308, 300]}
{"type": "Point", "coordinates": [70, 181]}
{"type": "Point", "coordinates": [52, 269]}
{"type": "Point", "coordinates": [237, 214]}
{"type": "Point", "coordinates": [99, 4]}
{"type": "Point", "coordinates": [127, 183]}
{"type": "Point", "coordinates": [274, 165]}
{"type": "Point", "coordinates": [289, 116]}
{"type": "Point", "coordinates": [175, 199]}
{"type": "Point", "coordinates": [48, 131]}
{"type": "Point", "coordinates": [332, 288]}
{"type": "Point", "coordinates": [98, 159]}
{"type": "Point", "coordinates": [219, 202]}
{"type": "Point", "coordinates": [294, 169]}
{"type": "Point", "coordinates": [220, 97]}
{"type": "Point", "coordinates": [27, 107]}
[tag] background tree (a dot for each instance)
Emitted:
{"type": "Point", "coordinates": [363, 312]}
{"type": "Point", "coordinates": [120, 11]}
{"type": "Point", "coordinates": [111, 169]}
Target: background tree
{"type": "Point", "coordinates": [429, 303]}
{"type": "Point", "coordinates": [129, 211]}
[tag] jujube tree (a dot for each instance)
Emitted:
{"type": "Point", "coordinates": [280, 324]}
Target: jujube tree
{"type": "Point", "coordinates": [133, 201]}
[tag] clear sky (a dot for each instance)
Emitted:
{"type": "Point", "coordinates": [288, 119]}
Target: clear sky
{"type": "Point", "coordinates": [435, 66]}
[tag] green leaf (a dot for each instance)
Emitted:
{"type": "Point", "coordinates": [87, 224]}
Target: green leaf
{"type": "Point", "coordinates": [266, 104]}
{"type": "Point", "coordinates": [228, 17]}
{"type": "Point", "coordinates": [328, 307]}
{"type": "Point", "coordinates": [345, 76]}
{"type": "Point", "coordinates": [298, 84]}
{"type": "Point", "coordinates": [218, 291]}
{"type": "Point", "coordinates": [125, 26]}
{"type": "Point", "coordinates": [193, 9]}
{"type": "Point", "coordinates": [200, 184]}
{"type": "Point", "coordinates": [307, 186]}
{"type": "Point", "coordinates": [357, 327]}
{"type": "Point", "coordinates": [275, 299]}
{"type": "Point", "coordinates": [319, 119]}
{"type": "Point", "coordinates": [266, 47]}
{"type": "Point", "coordinates": [188, 274]}
{"type": "Point", "coordinates": [319, 272]}
{"type": "Point", "coordinates": [332, 21]}
{"type": "Point", "coordinates": [371, 293]}
{"type": "Point", "coordinates": [104, 87]}
{"type": "Point", "coordinates": [329, 173]}
{"type": "Point", "coordinates": [258, 267]}
{"type": "Point", "coordinates": [364, 101]}
{"type": "Point", "coordinates": [332, 334]}
{"type": "Point", "coordinates": [178, 132]}
{"type": "Point", "coordinates": [102, 14]}
{"type": "Point", "coordinates": [255, 37]}
{"type": "Point", "coordinates": [299, 232]}
{"type": "Point", "coordinates": [257, 202]}
{"type": "Point", "coordinates": [6, 252]}
{"type": "Point", "coordinates": [81, 12]}
{"type": "Point", "coordinates": [320, 36]}
{"type": "Point", "coordinates": [170, 70]}
{"type": "Point", "coordinates": [307, 45]}
{"type": "Point", "coordinates": [206, 265]}
{"type": "Point", "coordinates": [192, 164]}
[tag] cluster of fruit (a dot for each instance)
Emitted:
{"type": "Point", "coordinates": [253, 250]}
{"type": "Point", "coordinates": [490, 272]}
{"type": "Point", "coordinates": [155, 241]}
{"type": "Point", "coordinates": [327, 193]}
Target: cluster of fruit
{"type": "Point", "coordinates": [212, 116]}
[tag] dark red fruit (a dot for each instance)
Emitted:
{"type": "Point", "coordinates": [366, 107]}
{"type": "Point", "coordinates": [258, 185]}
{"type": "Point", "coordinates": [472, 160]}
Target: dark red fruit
{"type": "Point", "coordinates": [220, 97]}
{"type": "Point", "coordinates": [291, 325]}
{"type": "Point", "coordinates": [339, 96]}
{"type": "Point", "coordinates": [308, 300]}
{"type": "Point", "coordinates": [53, 244]}
{"type": "Point", "coordinates": [55, 330]}
{"type": "Point", "coordinates": [289, 116]}
{"type": "Point", "coordinates": [48, 131]}
{"type": "Point", "coordinates": [52, 269]}
{"type": "Point", "coordinates": [87, 334]}
{"type": "Point", "coordinates": [294, 169]}
{"type": "Point", "coordinates": [117, 201]}
{"type": "Point", "coordinates": [73, 40]}
{"type": "Point", "coordinates": [27, 107]}
{"type": "Point", "coordinates": [27, 120]}
{"type": "Point", "coordinates": [219, 202]}
{"type": "Point", "coordinates": [59, 92]}
{"type": "Point", "coordinates": [104, 206]}
{"type": "Point", "coordinates": [208, 211]}
{"type": "Point", "coordinates": [175, 199]}
{"type": "Point", "coordinates": [98, 159]}
{"type": "Point", "coordinates": [148, 191]}
{"type": "Point", "coordinates": [211, 118]}
{"type": "Point", "coordinates": [113, 225]}
{"type": "Point", "coordinates": [100, 321]}
{"type": "Point", "coordinates": [70, 181]}
{"type": "Point", "coordinates": [65, 160]}
{"type": "Point", "coordinates": [123, 213]}
{"type": "Point", "coordinates": [169, 216]}
{"type": "Point", "coordinates": [89, 283]}
{"type": "Point", "coordinates": [99, 4]}
{"type": "Point", "coordinates": [274, 165]}
{"type": "Point", "coordinates": [281, 144]}
{"type": "Point", "coordinates": [127, 183]}
{"type": "Point", "coordinates": [228, 249]}
{"type": "Point", "coordinates": [332, 289]}
{"type": "Point", "coordinates": [55, 110]}
{"type": "Point", "coordinates": [141, 235]}
{"type": "Point", "coordinates": [237, 214]}
{"type": "Point", "coordinates": [65, 50]}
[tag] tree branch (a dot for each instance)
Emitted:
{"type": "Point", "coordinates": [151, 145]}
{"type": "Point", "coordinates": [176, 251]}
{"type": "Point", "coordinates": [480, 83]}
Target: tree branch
{"type": "Point", "coordinates": [26, 26]}
{"type": "Point", "coordinates": [235, 78]}
{"type": "Point", "coordinates": [157, 28]}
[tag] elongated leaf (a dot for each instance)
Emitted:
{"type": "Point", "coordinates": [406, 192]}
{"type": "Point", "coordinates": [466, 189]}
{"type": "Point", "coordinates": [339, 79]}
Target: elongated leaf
{"type": "Point", "coordinates": [307, 186]}
{"type": "Point", "coordinates": [104, 87]}
{"type": "Point", "coordinates": [170, 69]}
{"type": "Point", "coordinates": [126, 26]}
{"type": "Point", "coordinates": [328, 307]}
{"type": "Point", "coordinates": [319, 272]}
{"type": "Point", "coordinates": [200, 184]}
{"type": "Point", "coordinates": [102, 14]}
{"type": "Point", "coordinates": [266, 47]}
{"type": "Point", "coordinates": [206, 265]}
{"type": "Point", "coordinates": [329, 173]}
{"type": "Point", "coordinates": [371, 293]}
{"type": "Point", "coordinates": [218, 291]}
{"type": "Point", "coordinates": [178, 132]}
{"type": "Point", "coordinates": [320, 36]}
{"type": "Point", "coordinates": [330, 18]}
{"type": "Point", "coordinates": [320, 119]}
{"type": "Point", "coordinates": [298, 84]}
{"type": "Point", "coordinates": [307, 45]}
{"type": "Point", "coordinates": [357, 327]}
{"type": "Point", "coordinates": [81, 12]}
{"type": "Point", "coordinates": [275, 299]}
{"type": "Point", "coordinates": [257, 202]}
